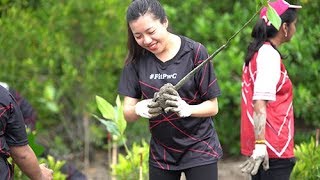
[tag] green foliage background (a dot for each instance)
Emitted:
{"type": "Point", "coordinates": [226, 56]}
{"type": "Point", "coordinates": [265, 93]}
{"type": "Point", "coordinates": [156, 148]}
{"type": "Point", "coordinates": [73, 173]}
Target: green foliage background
{"type": "Point", "coordinates": [61, 54]}
{"type": "Point", "coordinates": [308, 161]}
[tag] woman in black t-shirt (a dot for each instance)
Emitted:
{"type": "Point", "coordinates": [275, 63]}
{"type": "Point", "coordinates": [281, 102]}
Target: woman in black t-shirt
{"type": "Point", "coordinates": [183, 136]}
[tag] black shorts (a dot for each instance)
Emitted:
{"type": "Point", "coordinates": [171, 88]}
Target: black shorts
{"type": "Point", "coordinates": [279, 169]}
{"type": "Point", "coordinates": [205, 172]}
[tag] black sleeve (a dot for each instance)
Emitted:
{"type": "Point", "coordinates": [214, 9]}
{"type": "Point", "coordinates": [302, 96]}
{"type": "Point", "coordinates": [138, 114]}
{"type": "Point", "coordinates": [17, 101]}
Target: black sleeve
{"type": "Point", "coordinates": [206, 78]}
{"type": "Point", "coordinates": [14, 131]}
{"type": "Point", "coordinates": [129, 82]}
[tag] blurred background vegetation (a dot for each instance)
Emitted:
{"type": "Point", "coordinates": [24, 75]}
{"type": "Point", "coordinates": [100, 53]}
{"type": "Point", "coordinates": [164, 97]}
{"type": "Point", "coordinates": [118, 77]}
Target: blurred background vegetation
{"type": "Point", "coordinates": [60, 54]}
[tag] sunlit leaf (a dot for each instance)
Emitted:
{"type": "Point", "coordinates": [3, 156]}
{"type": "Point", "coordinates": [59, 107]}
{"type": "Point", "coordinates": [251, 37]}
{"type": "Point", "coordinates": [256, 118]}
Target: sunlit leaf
{"type": "Point", "coordinates": [118, 101]}
{"type": "Point", "coordinates": [273, 17]}
{"type": "Point", "coordinates": [105, 108]}
{"type": "Point", "coordinates": [49, 92]}
{"type": "Point", "coordinates": [121, 122]}
{"type": "Point", "coordinates": [52, 106]}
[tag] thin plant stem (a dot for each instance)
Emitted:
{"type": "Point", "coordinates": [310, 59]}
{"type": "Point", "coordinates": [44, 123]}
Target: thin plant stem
{"type": "Point", "coordinates": [126, 147]}
{"type": "Point", "coordinates": [196, 69]}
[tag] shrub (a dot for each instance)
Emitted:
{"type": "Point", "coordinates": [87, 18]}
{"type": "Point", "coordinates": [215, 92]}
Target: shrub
{"type": "Point", "coordinates": [133, 166]}
{"type": "Point", "coordinates": [308, 161]}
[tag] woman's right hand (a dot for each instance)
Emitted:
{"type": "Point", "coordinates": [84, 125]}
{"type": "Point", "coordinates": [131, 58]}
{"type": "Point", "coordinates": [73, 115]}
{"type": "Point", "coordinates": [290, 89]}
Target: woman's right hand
{"type": "Point", "coordinates": [173, 101]}
{"type": "Point", "coordinates": [47, 174]}
{"type": "Point", "coordinates": [148, 108]}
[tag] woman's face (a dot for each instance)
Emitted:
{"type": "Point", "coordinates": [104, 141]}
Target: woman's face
{"type": "Point", "coordinates": [150, 33]}
{"type": "Point", "coordinates": [291, 30]}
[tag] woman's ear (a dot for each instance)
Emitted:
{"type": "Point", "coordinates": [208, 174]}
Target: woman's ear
{"type": "Point", "coordinates": [285, 29]}
{"type": "Point", "coordinates": [166, 23]}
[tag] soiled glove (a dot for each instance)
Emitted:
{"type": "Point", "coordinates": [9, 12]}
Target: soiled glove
{"type": "Point", "coordinates": [179, 106]}
{"type": "Point", "coordinates": [174, 103]}
{"type": "Point", "coordinates": [148, 108]}
{"type": "Point", "coordinates": [154, 109]}
{"type": "Point", "coordinates": [259, 155]}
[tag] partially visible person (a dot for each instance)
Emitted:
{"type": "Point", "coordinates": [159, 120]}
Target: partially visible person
{"type": "Point", "coordinates": [267, 118]}
{"type": "Point", "coordinates": [183, 136]}
{"type": "Point", "coordinates": [30, 118]}
{"type": "Point", "coordinates": [14, 142]}
{"type": "Point", "coordinates": [28, 112]}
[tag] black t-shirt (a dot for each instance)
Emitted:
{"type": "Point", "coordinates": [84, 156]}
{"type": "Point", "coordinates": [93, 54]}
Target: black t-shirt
{"type": "Point", "coordinates": [176, 143]}
{"type": "Point", "coordinates": [12, 126]}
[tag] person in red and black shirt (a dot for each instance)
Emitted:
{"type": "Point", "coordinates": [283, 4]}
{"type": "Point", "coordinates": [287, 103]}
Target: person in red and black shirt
{"type": "Point", "coordinates": [30, 119]}
{"type": "Point", "coordinates": [14, 142]}
{"type": "Point", "coordinates": [183, 139]}
{"type": "Point", "coordinates": [267, 118]}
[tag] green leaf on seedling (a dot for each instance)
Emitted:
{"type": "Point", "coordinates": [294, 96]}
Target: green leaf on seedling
{"type": "Point", "coordinates": [273, 17]}
{"type": "Point", "coordinates": [121, 122]}
{"type": "Point", "coordinates": [105, 108]}
{"type": "Point", "coordinates": [111, 126]}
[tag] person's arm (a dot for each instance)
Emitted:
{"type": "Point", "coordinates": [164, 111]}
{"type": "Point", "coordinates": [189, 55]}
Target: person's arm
{"type": "Point", "coordinates": [27, 161]}
{"type": "Point", "coordinates": [129, 106]}
{"type": "Point", "coordinates": [205, 109]}
{"type": "Point", "coordinates": [259, 119]}
{"type": "Point", "coordinates": [259, 154]}
{"type": "Point", "coordinates": [183, 109]}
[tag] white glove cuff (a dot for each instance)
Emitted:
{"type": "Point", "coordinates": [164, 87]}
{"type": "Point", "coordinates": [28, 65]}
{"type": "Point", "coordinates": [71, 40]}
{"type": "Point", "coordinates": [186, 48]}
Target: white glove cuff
{"type": "Point", "coordinates": [186, 110]}
{"type": "Point", "coordinates": [142, 109]}
{"type": "Point", "coordinates": [260, 150]}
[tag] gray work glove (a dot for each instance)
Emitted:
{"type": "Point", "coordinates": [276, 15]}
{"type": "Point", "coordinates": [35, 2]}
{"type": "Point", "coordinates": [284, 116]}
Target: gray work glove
{"type": "Point", "coordinates": [154, 109]}
{"type": "Point", "coordinates": [259, 155]}
{"type": "Point", "coordinates": [174, 103]}
{"type": "Point", "coordinates": [148, 108]}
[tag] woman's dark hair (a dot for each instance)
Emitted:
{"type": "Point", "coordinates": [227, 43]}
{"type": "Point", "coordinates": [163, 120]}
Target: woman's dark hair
{"type": "Point", "coordinates": [136, 9]}
{"type": "Point", "coordinates": [262, 32]}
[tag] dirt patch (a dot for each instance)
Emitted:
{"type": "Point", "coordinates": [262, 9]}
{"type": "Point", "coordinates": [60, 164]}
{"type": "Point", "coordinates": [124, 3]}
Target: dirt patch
{"type": "Point", "coordinates": [228, 169]}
